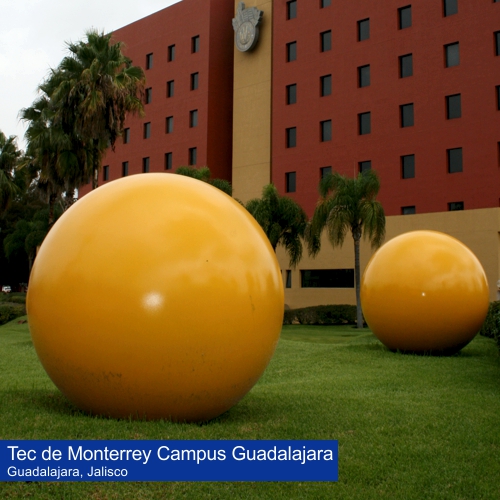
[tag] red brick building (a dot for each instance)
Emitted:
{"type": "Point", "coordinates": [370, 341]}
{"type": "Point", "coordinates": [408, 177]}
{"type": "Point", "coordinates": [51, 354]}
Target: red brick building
{"type": "Point", "coordinates": [408, 88]}
{"type": "Point", "coordinates": [187, 55]}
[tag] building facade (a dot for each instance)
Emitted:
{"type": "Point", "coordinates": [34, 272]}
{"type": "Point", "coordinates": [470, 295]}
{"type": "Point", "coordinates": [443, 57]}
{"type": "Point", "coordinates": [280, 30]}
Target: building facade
{"type": "Point", "coordinates": [187, 56]}
{"type": "Point", "coordinates": [410, 89]}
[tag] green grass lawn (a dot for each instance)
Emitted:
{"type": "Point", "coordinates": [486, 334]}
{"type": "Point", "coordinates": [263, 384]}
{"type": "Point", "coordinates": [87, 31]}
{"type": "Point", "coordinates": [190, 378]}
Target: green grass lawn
{"type": "Point", "coordinates": [409, 427]}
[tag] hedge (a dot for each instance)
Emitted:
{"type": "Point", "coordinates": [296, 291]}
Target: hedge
{"type": "Point", "coordinates": [8, 312]}
{"type": "Point", "coordinates": [338, 314]}
{"type": "Point", "coordinates": [491, 325]}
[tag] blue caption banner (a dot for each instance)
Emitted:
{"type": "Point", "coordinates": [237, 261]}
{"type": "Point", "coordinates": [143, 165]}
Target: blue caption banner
{"type": "Point", "coordinates": [247, 460]}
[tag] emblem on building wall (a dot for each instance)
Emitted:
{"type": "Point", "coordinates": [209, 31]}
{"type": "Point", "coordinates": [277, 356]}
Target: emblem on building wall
{"type": "Point", "coordinates": [246, 27]}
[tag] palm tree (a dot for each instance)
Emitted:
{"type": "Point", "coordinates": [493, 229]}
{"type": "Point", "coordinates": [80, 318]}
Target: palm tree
{"type": "Point", "coordinates": [92, 90]}
{"type": "Point", "coordinates": [9, 158]}
{"type": "Point", "coordinates": [53, 154]}
{"type": "Point", "coordinates": [282, 219]}
{"type": "Point", "coordinates": [204, 174]}
{"type": "Point", "coordinates": [348, 204]}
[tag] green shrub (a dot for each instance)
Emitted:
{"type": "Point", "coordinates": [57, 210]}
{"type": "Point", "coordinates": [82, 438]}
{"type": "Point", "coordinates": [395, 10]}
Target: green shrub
{"type": "Point", "coordinates": [491, 325]}
{"type": "Point", "coordinates": [337, 314]}
{"type": "Point", "coordinates": [8, 312]}
{"type": "Point", "coordinates": [16, 298]}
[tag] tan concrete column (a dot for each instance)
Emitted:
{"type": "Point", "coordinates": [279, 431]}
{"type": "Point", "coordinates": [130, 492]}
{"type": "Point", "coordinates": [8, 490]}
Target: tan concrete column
{"type": "Point", "coordinates": [252, 110]}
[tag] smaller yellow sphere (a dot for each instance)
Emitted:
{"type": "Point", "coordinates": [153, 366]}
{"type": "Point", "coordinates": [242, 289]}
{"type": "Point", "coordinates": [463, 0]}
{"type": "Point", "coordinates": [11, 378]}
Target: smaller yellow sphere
{"type": "Point", "coordinates": [424, 291]}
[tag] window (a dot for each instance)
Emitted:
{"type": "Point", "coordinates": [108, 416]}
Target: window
{"type": "Point", "coordinates": [290, 182]}
{"type": "Point", "coordinates": [291, 93]}
{"type": "Point", "coordinates": [194, 81]}
{"type": "Point", "coordinates": [363, 30]}
{"type": "Point", "coordinates": [288, 283]}
{"type": "Point", "coordinates": [410, 210]}
{"type": "Point", "coordinates": [149, 61]}
{"type": "Point", "coordinates": [168, 161]}
{"type": "Point", "coordinates": [193, 118]}
{"type": "Point", "coordinates": [105, 173]}
{"type": "Point", "coordinates": [326, 130]}
{"type": "Point", "coordinates": [364, 123]}
{"type": "Point", "coordinates": [497, 43]}
{"type": "Point", "coordinates": [450, 7]}
{"type": "Point", "coordinates": [291, 137]}
{"type": "Point", "coordinates": [125, 169]}
{"type": "Point", "coordinates": [171, 53]}
{"type": "Point", "coordinates": [326, 85]}
{"type": "Point", "coordinates": [126, 136]}
{"type": "Point", "coordinates": [291, 9]}
{"type": "Point", "coordinates": [406, 65]}
{"type": "Point", "coordinates": [324, 171]}
{"type": "Point", "coordinates": [145, 165]}
{"type": "Point", "coordinates": [169, 124]}
{"type": "Point", "coordinates": [364, 76]}
{"type": "Point", "coordinates": [325, 3]}
{"type": "Point", "coordinates": [193, 153]}
{"type": "Point", "coordinates": [195, 44]}
{"type": "Point", "coordinates": [170, 88]}
{"type": "Point", "coordinates": [406, 112]}
{"type": "Point", "coordinates": [148, 95]}
{"type": "Point", "coordinates": [147, 130]}
{"type": "Point", "coordinates": [453, 106]}
{"type": "Point", "coordinates": [454, 160]}
{"type": "Point", "coordinates": [455, 205]}
{"type": "Point", "coordinates": [363, 166]}
{"type": "Point", "coordinates": [404, 17]}
{"type": "Point", "coordinates": [326, 41]}
{"type": "Point", "coordinates": [291, 51]}
{"type": "Point", "coordinates": [408, 166]}
{"type": "Point", "coordinates": [327, 278]}
{"type": "Point", "coordinates": [452, 54]}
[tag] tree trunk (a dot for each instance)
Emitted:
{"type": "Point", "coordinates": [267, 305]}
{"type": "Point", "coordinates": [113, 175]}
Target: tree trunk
{"type": "Point", "coordinates": [31, 258]}
{"type": "Point", "coordinates": [52, 202]}
{"type": "Point", "coordinates": [95, 165]}
{"type": "Point", "coordinates": [69, 198]}
{"type": "Point", "coordinates": [357, 277]}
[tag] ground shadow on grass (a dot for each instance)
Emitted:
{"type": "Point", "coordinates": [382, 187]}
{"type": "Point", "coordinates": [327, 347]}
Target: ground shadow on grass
{"type": "Point", "coordinates": [327, 334]}
{"type": "Point", "coordinates": [46, 404]}
{"type": "Point", "coordinates": [52, 402]}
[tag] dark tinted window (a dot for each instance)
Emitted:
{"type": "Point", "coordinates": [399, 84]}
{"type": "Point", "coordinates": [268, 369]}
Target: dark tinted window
{"type": "Point", "coordinates": [453, 106]}
{"type": "Point", "coordinates": [406, 65]}
{"type": "Point", "coordinates": [364, 76]}
{"type": "Point", "coordinates": [404, 14]}
{"type": "Point", "coordinates": [363, 29]}
{"type": "Point", "coordinates": [327, 278]}
{"type": "Point", "coordinates": [290, 182]}
{"type": "Point", "coordinates": [408, 166]}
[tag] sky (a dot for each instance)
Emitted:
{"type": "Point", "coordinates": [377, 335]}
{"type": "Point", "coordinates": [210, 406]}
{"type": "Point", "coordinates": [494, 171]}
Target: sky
{"type": "Point", "coordinates": [32, 40]}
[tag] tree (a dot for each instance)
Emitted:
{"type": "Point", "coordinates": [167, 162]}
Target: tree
{"type": "Point", "coordinates": [9, 158]}
{"type": "Point", "coordinates": [26, 206]}
{"type": "Point", "coordinates": [348, 204]}
{"type": "Point", "coordinates": [26, 238]}
{"type": "Point", "coordinates": [55, 156]}
{"type": "Point", "coordinates": [204, 174]}
{"type": "Point", "coordinates": [282, 219]}
{"type": "Point", "coordinates": [92, 91]}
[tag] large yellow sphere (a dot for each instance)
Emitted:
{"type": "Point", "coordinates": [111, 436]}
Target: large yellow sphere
{"type": "Point", "coordinates": [155, 296]}
{"type": "Point", "coordinates": [424, 291]}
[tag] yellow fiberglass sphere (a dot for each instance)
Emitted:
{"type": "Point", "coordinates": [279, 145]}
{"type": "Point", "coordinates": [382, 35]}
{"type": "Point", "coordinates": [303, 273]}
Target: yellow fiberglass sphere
{"type": "Point", "coordinates": [155, 296]}
{"type": "Point", "coordinates": [424, 292]}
